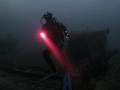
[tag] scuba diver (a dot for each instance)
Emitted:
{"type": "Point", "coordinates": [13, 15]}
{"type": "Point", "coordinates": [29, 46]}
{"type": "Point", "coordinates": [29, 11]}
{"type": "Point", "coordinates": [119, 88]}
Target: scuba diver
{"type": "Point", "coordinates": [57, 33]}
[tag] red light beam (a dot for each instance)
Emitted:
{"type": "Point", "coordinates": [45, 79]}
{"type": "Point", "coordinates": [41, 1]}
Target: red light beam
{"type": "Point", "coordinates": [57, 52]}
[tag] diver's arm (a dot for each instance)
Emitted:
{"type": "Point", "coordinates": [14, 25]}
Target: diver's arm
{"type": "Point", "coordinates": [43, 28]}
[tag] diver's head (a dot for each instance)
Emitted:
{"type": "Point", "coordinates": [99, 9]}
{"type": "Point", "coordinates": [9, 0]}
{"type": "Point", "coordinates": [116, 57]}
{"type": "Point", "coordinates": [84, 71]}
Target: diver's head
{"type": "Point", "coordinates": [47, 16]}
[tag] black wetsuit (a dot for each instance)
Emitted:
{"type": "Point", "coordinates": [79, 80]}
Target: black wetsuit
{"type": "Point", "coordinates": [55, 32]}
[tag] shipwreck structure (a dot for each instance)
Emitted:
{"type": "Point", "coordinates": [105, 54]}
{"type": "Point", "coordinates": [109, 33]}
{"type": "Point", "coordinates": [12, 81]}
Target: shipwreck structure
{"type": "Point", "coordinates": [8, 45]}
{"type": "Point", "coordinates": [88, 44]}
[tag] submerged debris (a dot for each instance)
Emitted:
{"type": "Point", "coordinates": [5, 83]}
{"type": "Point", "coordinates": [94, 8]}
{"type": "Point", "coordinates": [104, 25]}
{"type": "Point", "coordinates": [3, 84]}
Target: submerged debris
{"type": "Point", "coordinates": [87, 49]}
{"type": "Point", "coordinates": [8, 45]}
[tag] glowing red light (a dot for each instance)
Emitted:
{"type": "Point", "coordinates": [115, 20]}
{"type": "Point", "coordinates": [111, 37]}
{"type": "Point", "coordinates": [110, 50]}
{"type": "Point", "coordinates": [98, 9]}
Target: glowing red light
{"type": "Point", "coordinates": [57, 52]}
{"type": "Point", "coordinates": [42, 35]}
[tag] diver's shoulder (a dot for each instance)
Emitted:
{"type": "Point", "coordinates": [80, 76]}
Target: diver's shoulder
{"type": "Point", "coordinates": [55, 20]}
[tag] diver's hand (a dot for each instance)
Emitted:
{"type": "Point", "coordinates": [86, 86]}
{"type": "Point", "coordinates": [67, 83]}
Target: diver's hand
{"type": "Point", "coordinates": [67, 39]}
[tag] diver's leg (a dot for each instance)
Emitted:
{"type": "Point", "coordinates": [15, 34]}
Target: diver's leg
{"type": "Point", "coordinates": [46, 54]}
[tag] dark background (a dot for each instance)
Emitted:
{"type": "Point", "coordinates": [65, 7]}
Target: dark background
{"type": "Point", "coordinates": [21, 18]}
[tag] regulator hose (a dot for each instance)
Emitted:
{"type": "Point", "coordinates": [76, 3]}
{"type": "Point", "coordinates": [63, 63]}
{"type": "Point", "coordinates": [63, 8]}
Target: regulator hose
{"type": "Point", "coordinates": [41, 21]}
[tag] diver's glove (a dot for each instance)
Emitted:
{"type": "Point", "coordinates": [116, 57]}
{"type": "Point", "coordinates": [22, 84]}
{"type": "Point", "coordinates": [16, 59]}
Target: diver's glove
{"type": "Point", "coordinates": [67, 39]}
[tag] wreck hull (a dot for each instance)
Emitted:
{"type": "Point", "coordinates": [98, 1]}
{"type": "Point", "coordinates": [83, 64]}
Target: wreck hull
{"type": "Point", "coordinates": [88, 43]}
